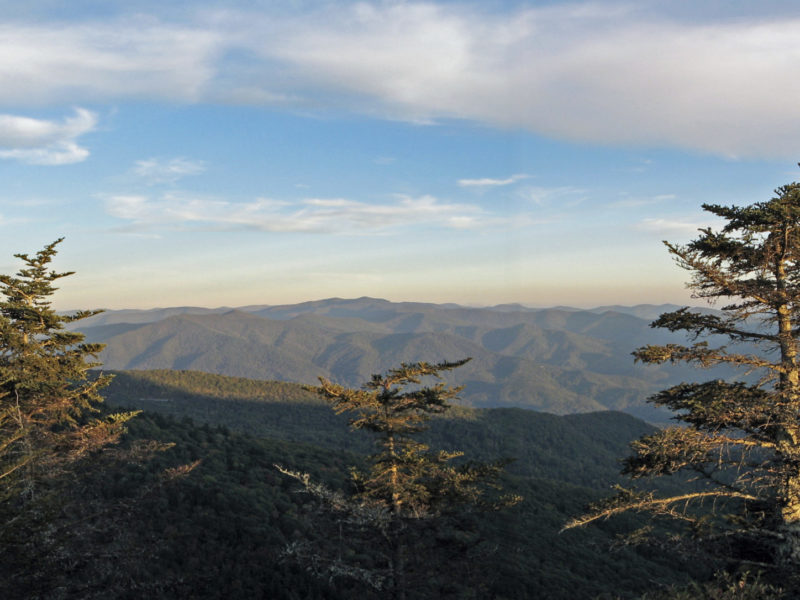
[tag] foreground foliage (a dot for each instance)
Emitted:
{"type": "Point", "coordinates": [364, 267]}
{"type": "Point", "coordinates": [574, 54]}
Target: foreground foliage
{"type": "Point", "coordinates": [739, 440]}
{"type": "Point", "coordinates": [723, 587]}
{"type": "Point", "coordinates": [149, 529]}
{"type": "Point", "coordinates": [51, 427]}
{"type": "Point", "coordinates": [401, 500]}
{"type": "Point", "coordinates": [48, 405]}
{"type": "Point", "coordinates": [46, 398]}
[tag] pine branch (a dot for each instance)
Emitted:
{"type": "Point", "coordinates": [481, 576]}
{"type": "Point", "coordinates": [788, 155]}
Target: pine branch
{"type": "Point", "coordinates": [662, 506]}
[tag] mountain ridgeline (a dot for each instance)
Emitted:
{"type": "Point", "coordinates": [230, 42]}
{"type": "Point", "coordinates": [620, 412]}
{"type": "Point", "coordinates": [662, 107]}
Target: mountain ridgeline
{"type": "Point", "coordinates": [559, 360]}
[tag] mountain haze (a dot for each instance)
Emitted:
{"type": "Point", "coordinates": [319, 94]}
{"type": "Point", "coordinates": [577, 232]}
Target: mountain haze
{"type": "Point", "coordinates": [557, 360]}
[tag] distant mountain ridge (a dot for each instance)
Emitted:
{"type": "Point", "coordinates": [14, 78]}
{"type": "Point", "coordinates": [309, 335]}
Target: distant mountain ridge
{"type": "Point", "coordinates": [149, 315]}
{"type": "Point", "coordinates": [560, 360]}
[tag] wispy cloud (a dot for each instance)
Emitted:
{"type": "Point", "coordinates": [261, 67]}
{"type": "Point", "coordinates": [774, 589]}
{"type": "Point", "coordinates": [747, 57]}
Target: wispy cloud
{"type": "Point", "coordinates": [155, 170]}
{"type": "Point", "coordinates": [311, 215]}
{"type": "Point", "coordinates": [45, 142]}
{"type": "Point", "coordinates": [602, 72]}
{"type": "Point", "coordinates": [489, 182]}
{"type": "Point", "coordinates": [670, 226]}
{"type": "Point", "coordinates": [546, 195]}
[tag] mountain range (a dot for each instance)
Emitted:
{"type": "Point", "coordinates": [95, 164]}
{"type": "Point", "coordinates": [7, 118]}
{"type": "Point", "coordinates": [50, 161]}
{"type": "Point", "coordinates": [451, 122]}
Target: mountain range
{"type": "Point", "coordinates": [561, 360]}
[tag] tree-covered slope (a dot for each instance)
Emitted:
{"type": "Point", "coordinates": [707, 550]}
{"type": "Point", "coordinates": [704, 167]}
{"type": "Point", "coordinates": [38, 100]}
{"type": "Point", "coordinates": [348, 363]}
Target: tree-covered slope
{"type": "Point", "coordinates": [578, 449]}
{"type": "Point", "coordinates": [218, 531]}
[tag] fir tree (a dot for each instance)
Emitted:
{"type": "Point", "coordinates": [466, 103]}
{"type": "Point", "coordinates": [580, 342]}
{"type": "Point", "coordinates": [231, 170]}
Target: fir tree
{"type": "Point", "coordinates": [738, 440]}
{"type": "Point", "coordinates": [48, 404]}
{"type": "Point", "coordinates": [408, 488]}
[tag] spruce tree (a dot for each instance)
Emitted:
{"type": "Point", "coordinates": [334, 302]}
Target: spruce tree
{"type": "Point", "coordinates": [738, 440]}
{"type": "Point", "coordinates": [48, 404]}
{"type": "Point", "coordinates": [408, 489]}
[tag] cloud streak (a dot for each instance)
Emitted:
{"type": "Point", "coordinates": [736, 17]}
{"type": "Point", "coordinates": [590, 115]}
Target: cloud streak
{"type": "Point", "coordinates": [311, 215]}
{"type": "Point", "coordinates": [670, 226]}
{"type": "Point", "coordinates": [596, 72]}
{"type": "Point", "coordinates": [44, 142]}
{"type": "Point", "coordinates": [543, 196]}
{"type": "Point", "coordinates": [489, 182]}
{"type": "Point", "coordinates": [155, 171]}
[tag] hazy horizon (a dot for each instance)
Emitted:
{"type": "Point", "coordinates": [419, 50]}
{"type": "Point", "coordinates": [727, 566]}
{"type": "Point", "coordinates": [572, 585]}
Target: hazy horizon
{"type": "Point", "coordinates": [317, 300]}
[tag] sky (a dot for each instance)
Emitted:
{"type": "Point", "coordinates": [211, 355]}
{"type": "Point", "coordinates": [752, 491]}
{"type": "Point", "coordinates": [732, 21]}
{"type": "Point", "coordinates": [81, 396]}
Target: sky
{"type": "Point", "coordinates": [256, 152]}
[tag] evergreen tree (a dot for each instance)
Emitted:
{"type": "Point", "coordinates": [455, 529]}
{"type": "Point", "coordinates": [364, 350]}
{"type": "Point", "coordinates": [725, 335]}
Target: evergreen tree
{"type": "Point", "coordinates": [408, 488]}
{"type": "Point", "coordinates": [738, 440]}
{"type": "Point", "coordinates": [47, 402]}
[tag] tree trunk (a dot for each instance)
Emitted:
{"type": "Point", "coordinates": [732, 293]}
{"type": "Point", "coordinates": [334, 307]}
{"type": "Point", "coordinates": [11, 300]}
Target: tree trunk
{"type": "Point", "coordinates": [788, 555]}
{"type": "Point", "coordinates": [789, 546]}
{"type": "Point", "coordinates": [398, 548]}
{"type": "Point", "coordinates": [399, 569]}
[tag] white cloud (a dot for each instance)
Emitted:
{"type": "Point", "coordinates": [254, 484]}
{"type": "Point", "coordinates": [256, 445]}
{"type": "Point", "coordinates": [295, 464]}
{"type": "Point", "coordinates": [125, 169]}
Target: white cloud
{"type": "Point", "coordinates": [488, 182]}
{"type": "Point", "coordinates": [57, 154]}
{"type": "Point", "coordinates": [135, 58]}
{"type": "Point", "coordinates": [583, 72]}
{"type": "Point", "coordinates": [596, 72]}
{"type": "Point", "coordinates": [43, 142]}
{"type": "Point", "coordinates": [601, 72]}
{"type": "Point", "coordinates": [312, 215]}
{"type": "Point", "coordinates": [155, 170]}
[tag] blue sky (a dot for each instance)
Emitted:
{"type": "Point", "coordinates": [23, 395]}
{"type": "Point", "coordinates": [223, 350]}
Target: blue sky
{"type": "Point", "coordinates": [261, 153]}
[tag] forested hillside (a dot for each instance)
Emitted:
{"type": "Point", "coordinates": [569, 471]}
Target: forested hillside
{"type": "Point", "coordinates": [579, 449]}
{"type": "Point", "coordinates": [219, 530]}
